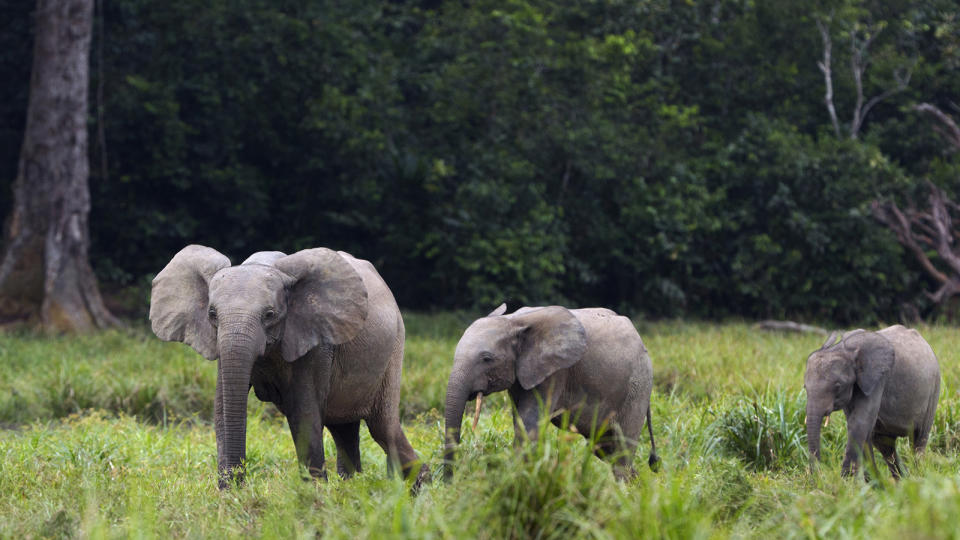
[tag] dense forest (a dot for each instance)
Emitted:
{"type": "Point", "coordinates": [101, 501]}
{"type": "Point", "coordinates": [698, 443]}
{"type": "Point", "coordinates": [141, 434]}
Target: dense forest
{"type": "Point", "coordinates": [661, 157]}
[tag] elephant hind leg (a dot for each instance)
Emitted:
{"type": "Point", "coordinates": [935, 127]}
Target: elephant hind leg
{"type": "Point", "coordinates": [887, 446]}
{"type": "Point", "coordinates": [347, 439]}
{"type": "Point", "coordinates": [922, 431]}
{"type": "Point", "coordinates": [919, 440]}
{"type": "Point", "coordinates": [390, 437]}
{"type": "Point", "coordinates": [619, 451]}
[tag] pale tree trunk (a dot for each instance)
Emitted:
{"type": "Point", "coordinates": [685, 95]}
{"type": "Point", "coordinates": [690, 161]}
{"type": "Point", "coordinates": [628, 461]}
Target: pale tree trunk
{"type": "Point", "coordinates": [45, 274]}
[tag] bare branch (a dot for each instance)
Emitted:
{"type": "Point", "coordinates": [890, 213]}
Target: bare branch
{"type": "Point", "coordinates": [948, 127]}
{"type": "Point", "coordinates": [857, 66]}
{"type": "Point", "coordinates": [878, 98]}
{"type": "Point", "coordinates": [889, 214]}
{"type": "Point", "coordinates": [945, 291]}
{"type": "Point", "coordinates": [944, 227]}
{"type": "Point", "coordinates": [825, 67]}
{"type": "Point", "coordinates": [859, 60]}
{"type": "Point", "coordinates": [932, 228]}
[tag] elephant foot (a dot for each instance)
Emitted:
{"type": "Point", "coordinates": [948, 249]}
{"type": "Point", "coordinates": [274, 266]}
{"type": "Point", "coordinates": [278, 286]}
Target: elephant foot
{"type": "Point", "coordinates": [316, 473]}
{"type": "Point", "coordinates": [849, 468]}
{"type": "Point", "coordinates": [624, 474]}
{"type": "Point", "coordinates": [423, 477]}
{"type": "Point", "coordinates": [230, 477]}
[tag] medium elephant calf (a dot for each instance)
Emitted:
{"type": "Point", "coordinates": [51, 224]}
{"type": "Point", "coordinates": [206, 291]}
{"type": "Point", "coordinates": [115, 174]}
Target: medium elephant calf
{"type": "Point", "coordinates": [590, 363]}
{"type": "Point", "coordinates": [886, 382]}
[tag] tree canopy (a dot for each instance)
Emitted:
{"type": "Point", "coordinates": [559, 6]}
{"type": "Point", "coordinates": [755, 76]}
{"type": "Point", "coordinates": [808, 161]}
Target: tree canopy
{"type": "Point", "coordinates": [659, 157]}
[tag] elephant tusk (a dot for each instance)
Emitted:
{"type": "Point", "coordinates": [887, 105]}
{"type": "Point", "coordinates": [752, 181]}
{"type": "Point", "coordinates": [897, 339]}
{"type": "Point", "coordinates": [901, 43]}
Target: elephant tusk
{"type": "Point", "coordinates": [826, 421]}
{"type": "Point", "coordinates": [476, 413]}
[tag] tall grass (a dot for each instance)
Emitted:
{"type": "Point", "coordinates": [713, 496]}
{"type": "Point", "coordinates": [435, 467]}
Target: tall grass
{"type": "Point", "coordinates": [109, 436]}
{"type": "Point", "coordinates": [765, 431]}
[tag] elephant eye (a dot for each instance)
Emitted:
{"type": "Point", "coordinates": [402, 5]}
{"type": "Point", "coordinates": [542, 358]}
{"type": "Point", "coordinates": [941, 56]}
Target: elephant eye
{"type": "Point", "coordinates": [486, 357]}
{"type": "Point", "coordinates": [213, 313]}
{"type": "Point", "coordinates": [269, 314]}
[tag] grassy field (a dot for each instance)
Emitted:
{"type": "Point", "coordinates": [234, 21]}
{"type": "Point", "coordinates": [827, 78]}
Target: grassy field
{"type": "Point", "coordinates": [110, 435]}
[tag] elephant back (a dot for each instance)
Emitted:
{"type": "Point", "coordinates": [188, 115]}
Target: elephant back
{"type": "Point", "coordinates": [911, 350]}
{"type": "Point", "coordinates": [606, 329]}
{"type": "Point", "coordinates": [384, 311]}
{"type": "Point", "coordinates": [614, 346]}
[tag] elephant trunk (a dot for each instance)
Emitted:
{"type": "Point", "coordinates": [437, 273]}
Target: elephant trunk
{"type": "Point", "coordinates": [813, 436]}
{"type": "Point", "coordinates": [457, 395]}
{"type": "Point", "coordinates": [239, 349]}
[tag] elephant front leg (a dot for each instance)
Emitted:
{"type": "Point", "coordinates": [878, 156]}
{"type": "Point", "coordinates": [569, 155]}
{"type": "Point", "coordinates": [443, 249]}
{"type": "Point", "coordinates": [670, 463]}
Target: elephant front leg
{"type": "Point", "coordinates": [518, 433]}
{"type": "Point", "coordinates": [528, 411]}
{"type": "Point", "coordinates": [861, 419]}
{"type": "Point", "coordinates": [306, 427]}
{"type": "Point", "coordinates": [223, 475]}
{"type": "Point", "coordinates": [303, 398]}
{"type": "Point", "coordinates": [857, 447]}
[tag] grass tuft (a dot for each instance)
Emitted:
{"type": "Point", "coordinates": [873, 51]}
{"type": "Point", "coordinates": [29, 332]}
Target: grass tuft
{"type": "Point", "coordinates": [766, 431]}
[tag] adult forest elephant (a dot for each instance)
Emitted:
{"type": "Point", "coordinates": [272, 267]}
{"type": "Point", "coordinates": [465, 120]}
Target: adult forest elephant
{"type": "Point", "coordinates": [589, 363]}
{"type": "Point", "coordinates": [318, 333]}
{"type": "Point", "coordinates": [887, 383]}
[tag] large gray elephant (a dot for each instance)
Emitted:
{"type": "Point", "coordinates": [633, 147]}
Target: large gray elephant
{"type": "Point", "coordinates": [318, 333]}
{"type": "Point", "coordinates": [887, 383]}
{"type": "Point", "coordinates": [590, 363]}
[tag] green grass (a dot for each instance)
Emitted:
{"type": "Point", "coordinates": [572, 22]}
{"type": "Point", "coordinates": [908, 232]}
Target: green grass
{"type": "Point", "coordinates": [110, 436]}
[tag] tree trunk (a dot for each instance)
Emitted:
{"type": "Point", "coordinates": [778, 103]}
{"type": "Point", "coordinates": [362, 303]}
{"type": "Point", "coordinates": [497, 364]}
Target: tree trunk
{"type": "Point", "coordinates": [45, 274]}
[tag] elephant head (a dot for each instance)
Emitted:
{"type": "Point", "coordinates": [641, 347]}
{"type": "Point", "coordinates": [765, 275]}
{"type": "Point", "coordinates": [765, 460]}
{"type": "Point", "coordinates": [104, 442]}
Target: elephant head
{"type": "Point", "coordinates": [859, 362]}
{"type": "Point", "coordinates": [500, 350]}
{"type": "Point", "coordinates": [284, 303]}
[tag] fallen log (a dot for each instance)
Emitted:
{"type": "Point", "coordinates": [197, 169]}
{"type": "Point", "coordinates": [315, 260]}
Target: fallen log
{"type": "Point", "coordinates": [789, 326]}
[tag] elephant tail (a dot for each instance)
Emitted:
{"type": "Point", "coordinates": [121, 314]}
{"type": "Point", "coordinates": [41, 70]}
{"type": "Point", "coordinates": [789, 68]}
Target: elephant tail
{"type": "Point", "coordinates": [654, 460]}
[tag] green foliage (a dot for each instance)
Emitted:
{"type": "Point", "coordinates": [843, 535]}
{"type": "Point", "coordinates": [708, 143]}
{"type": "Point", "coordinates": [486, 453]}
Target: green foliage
{"type": "Point", "coordinates": [800, 202]}
{"type": "Point", "coordinates": [656, 157]}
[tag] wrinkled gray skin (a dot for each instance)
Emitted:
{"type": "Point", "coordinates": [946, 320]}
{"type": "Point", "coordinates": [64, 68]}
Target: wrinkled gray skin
{"type": "Point", "coordinates": [887, 384]}
{"type": "Point", "coordinates": [588, 362]}
{"type": "Point", "coordinates": [318, 333]}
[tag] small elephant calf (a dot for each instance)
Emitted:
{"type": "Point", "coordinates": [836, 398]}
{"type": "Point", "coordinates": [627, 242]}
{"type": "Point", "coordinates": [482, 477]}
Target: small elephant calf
{"type": "Point", "coordinates": [886, 382]}
{"type": "Point", "coordinates": [590, 363]}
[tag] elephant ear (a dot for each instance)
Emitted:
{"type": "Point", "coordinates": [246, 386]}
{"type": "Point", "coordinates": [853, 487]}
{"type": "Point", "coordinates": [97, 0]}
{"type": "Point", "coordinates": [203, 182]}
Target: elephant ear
{"type": "Point", "coordinates": [501, 309]}
{"type": "Point", "coordinates": [180, 295]}
{"type": "Point", "coordinates": [831, 339]}
{"type": "Point", "coordinates": [874, 358]}
{"type": "Point", "coordinates": [551, 339]}
{"type": "Point", "coordinates": [326, 301]}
